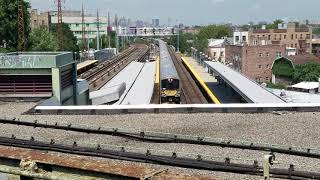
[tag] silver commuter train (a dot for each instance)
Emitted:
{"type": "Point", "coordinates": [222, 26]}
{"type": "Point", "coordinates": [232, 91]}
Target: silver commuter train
{"type": "Point", "coordinates": [170, 88]}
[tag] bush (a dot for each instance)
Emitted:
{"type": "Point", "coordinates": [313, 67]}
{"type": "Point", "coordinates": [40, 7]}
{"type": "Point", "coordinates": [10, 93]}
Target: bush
{"type": "Point", "coordinates": [276, 86]}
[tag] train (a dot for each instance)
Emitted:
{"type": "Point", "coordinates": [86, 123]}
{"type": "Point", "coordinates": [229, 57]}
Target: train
{"type": "Point", "coordinates": [170, 87]}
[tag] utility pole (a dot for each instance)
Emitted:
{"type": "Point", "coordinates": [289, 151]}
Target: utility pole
{"type": "Point", "coordinates": [21, 34]}
{"type": "Point", "coordinates": [117, 38]}
{"type": "Point", "coordinates": [60, 27]}
{"type": "Point", "coordinates": [98, 31]}
{"type": "Point", "coordinates": [84, 39]}
{"type": "Point", "coordinates": [109, 29]}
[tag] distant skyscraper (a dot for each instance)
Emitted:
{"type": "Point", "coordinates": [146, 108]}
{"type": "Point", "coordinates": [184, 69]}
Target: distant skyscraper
{"type": "Point", "coordinates": [116, 22]}
{"type": "Point", "coordinates": [155, 22]}
{"type": "Point", "coordinates": [139, 24]}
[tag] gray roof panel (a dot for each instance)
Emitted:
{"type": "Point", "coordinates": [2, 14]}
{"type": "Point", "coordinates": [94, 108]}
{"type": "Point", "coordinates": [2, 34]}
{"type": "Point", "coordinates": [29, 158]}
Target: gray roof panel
{"type": "Point", "coordinates": [249, 90]}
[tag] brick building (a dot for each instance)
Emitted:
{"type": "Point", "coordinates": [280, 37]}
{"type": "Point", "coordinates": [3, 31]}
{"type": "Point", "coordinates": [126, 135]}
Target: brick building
{"type": "Point", "coordinates": [40, 20]}
{"type": "Point", "coordinates": [254, 61]}
{"type": "Point", "coordinates": [290, 36]}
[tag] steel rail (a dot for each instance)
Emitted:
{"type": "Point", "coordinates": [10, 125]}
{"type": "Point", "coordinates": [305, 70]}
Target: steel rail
{"type": "Point", "coordinates": [174, 160]}
{"type": "Point", "coordinates": [172, 138]}
{"type": "Point", "coordinates": [97, 70]}
{"type": "Point", "coordinates": [193, 94]}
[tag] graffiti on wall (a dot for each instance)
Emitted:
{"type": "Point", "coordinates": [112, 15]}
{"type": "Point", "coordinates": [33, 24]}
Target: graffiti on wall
{"type": "Point", "coordinates": [15, 61]}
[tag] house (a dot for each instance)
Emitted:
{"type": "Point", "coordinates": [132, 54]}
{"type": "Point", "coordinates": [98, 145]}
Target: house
{"type": "Point", "coordinates": [216, 49]}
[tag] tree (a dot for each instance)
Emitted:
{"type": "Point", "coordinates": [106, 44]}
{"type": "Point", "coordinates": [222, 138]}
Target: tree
{"type": "Point", "coordinates": [307, 72]}
{"type": "Point", "coordinates": [9, 23]}
{"type": "Point", "coordinates": [70, 41]}
{"type": "Point", "coordinates": [200, 41]}
{"type": "Point", "coordinates": [42, 40]}
{"type": "Point", "coordinates": [275, 23]}
{"type": "Point", "coordinates": [211, 32]}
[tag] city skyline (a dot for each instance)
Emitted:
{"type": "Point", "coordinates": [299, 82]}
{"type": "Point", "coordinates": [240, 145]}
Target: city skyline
{"type": "Point", "coordinates": [207, 11]}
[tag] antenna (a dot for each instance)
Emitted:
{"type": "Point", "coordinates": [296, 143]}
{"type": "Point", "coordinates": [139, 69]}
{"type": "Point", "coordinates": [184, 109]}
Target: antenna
{"type": "Point", "coordinates": [60, 27]}
{"type": "Point", "coordinates": [84, 40]}
{"type": "Point", "coordinates": [21, 35]}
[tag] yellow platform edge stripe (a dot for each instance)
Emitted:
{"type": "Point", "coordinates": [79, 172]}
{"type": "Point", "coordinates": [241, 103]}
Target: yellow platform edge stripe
{"type": "Point", "coordinates": [158, 70]}
{"type": "Point", "coordinates": [202, 83]}
{"type": "Point", "coordinates": [85, 64]}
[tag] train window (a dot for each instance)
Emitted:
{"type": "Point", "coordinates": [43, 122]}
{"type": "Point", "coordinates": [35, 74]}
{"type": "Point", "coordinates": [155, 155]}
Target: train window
{"type": "Point", "coordinates": [170, 85]}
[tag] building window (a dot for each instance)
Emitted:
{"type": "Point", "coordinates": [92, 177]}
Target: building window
{"type": "Point", "coordinates": [275, 37]}
{"type": "Point", "coordinates": [267, 66]}
{"type": "Point", "coordinates": [267, 78]}
{"type": "Point", "coordinates": [214, 54]}
{"type": "Point", "coordinates": [269, 37]}
{"type": "Point", "coordinates": [87, 25]}
{"type": "Point", "coordinates": [244, 38]}
{"type": "Point", "coordinates": [237, 39]}
{"type": "Point", "coordinates": [42, 22]}
{"type": "Point", "coordinates": [267, 54]}
{"type": "Point", "coordinates": [35, 21]}
{"type": "Point", "coordinates": [260, 66]}
{"type": "Point", "coordinates": [260, 55]}
{"type": "Point", "coordinates": [296, 36]}
{"type": "Point", "coordinates": [279, 54]}
{"type": "Point", "coordinates": [280, 37]}
{"type": "Point", "coordinates": [284, 36]}
{"type": "Point", "coordinates": [291, 36]}
{"type": "Point", "coordinates": [77, 25]}
{"type": "Point", "coordinates": [308, 36]}
{"type": "Point", "coordinates": [221, 53]}
{"type": "Point", "coordinates": [301, 36]}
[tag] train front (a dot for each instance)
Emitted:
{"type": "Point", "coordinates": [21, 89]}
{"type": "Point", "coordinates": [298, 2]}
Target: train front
{"type": "Point", "coordinates": [170, 90]}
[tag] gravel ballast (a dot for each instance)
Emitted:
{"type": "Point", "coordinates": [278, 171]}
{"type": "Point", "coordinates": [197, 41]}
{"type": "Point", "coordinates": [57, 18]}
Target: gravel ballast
{"type": "Point", "coordinates": [291, 129]}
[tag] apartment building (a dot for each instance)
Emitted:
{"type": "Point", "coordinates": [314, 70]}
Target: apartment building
{"type": "Point", "coordinates": [74, 20]}
{"type": "Point", "coordinates": [254, 61]}
{"type": "Point", "coordinates": [291, 36]}
{"type": "Point", "coordinates": [38, 20]}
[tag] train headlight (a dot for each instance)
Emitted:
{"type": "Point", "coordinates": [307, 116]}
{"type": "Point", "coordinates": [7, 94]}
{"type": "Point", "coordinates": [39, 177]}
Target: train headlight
{"type": "Point", "coordinates": [177, 95]}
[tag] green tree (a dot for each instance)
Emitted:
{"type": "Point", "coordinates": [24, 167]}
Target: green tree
{"type": "Point", "coordinates": [9, 23]}
{"type": "Point", "coordinates": [211, 32]}
{"type": "Point", "coordinates": [200, 41]}
{"type": "Point", "coordinates": [42, 40]}
{"type": "Point", "coordinates": [70, 42]}
{"type": "Point", "coordinates": [316, 31]}
{"type": "Point", "coordinates": [275, 23]}
{"type": "Point", "coordinates": [307, 72]}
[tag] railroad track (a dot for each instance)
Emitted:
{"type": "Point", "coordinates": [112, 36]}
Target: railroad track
{"type": "Point", "coordinates": [191, 94]}
{"type": "Point", "coordinates": [192, 161]}
{"type": "Point", "coordinates": [169, 138]}
{"type": "Point", "coordinates": [102, 73]}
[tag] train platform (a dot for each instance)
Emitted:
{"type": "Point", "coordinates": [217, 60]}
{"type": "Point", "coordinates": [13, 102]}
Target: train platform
{"type": "Point", "coordinates": [139, 79]}
{"type": "Point", "coordinates": [249, 90]}
{"type": "Point", "coordinates": [208, 82]}
{"type": "Point", "coordinates": [85, 65]}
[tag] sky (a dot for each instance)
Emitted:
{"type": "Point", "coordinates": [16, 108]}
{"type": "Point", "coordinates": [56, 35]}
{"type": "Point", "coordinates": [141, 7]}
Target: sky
{"type": "Point", "coordinates": [196, 12]}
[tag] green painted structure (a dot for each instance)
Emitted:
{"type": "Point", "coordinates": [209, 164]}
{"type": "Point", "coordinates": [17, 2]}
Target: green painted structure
{"type": "Point", "coordinates": [21, 74]}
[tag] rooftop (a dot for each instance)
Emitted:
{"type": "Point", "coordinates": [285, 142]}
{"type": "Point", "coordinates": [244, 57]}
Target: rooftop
{"type": "Point", "coordinates": [31, 60]}
{"type": "Point", "coordinates": [306, 85]}
{"type": "Point", "coordinates": [249, 90]}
